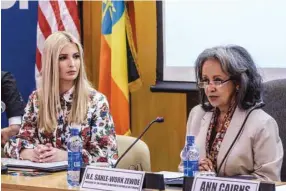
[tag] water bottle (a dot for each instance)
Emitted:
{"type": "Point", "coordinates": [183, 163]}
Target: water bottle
{"type": "Point", "coordinates": [191, 157]}
{"type": "Point", "coordinates": [74, 147]}
{"type": "Point", "coordinates": [185, 160]}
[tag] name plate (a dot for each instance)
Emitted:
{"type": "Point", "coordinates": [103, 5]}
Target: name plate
{"type": "Point", "coordinates": [96, 178]}
{"type": "Point", "coordinates": [204, 183]}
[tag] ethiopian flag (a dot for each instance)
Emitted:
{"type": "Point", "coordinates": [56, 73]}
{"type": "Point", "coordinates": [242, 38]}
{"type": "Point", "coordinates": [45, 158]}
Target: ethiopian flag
{"type": "Point", "coordinates": [118, 71]}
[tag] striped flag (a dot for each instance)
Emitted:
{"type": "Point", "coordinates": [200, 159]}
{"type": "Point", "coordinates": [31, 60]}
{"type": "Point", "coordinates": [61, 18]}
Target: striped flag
{"type": "Point", "coordinates": [118, 71]}
{"type": "Point", "coordinates": [55, 16]}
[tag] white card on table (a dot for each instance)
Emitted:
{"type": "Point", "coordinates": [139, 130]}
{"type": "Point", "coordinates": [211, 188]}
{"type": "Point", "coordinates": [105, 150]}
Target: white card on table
{"type": "Point", "coordinates": [96, 178]}
{"type": "Point", "coordinates": [205, 183]}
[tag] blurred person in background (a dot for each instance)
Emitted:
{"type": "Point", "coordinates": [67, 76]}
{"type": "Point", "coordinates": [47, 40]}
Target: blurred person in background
{"type": "Point", "coordinates": [12, 103]}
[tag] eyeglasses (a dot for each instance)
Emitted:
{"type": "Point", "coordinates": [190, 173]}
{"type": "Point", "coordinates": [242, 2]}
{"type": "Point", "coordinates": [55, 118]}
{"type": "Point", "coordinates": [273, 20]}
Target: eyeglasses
{"type": "Point", "coordinates": [217, 83]}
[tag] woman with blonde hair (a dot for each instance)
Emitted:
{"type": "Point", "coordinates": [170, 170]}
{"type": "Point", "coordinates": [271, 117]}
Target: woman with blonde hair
{"type": "Point", "coordinates": [64, 99]}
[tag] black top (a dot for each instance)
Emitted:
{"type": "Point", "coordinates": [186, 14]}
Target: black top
{"type": "Point", "coordinates": [11, 96]}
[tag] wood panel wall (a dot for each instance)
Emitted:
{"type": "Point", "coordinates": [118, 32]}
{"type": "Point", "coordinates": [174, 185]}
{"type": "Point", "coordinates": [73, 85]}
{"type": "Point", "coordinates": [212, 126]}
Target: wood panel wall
{"type": "Point", "coordinates": [164, 140]}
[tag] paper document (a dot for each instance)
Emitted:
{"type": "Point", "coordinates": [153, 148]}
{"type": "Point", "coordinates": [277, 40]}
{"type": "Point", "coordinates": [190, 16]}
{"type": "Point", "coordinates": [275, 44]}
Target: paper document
{"type": "Point", "coordinates": [281, 188]}
{"type": "Point", "coordinates": [172, 178]}
{"type": "Point", "coordinates": [27, 163]}
{"type": "Point", "coordinates": [171, 175]}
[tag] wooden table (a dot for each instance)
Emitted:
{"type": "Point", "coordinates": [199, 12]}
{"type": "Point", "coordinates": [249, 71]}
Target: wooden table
{"type": "Point", "coordinates": [55, 181]}
{"type": "Point", "coordinates": [52, 182]}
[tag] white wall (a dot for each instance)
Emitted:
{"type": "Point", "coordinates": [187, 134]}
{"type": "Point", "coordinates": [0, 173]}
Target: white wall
{"type": "Point", "coordinates": [191, 26]}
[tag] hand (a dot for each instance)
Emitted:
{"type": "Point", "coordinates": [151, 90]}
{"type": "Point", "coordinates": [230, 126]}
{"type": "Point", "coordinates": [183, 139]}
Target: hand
{"type": "Point", "coordinates": [29, 154]}
{"type": "Point", "coordinates": [206, 165]}
{"type": "Point", "coordinates": [8, 132]}
{"type": "Point", "coordinates": [4, 135]}
{"type": "Point", "coordinates": [53, 154]}
{"type": "Point", "coordinates": [41, 149]}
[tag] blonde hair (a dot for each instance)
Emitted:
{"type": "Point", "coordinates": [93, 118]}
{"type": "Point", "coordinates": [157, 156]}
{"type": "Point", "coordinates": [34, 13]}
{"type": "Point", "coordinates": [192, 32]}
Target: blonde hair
{"type": "Point", "coordinates": [49, 87]}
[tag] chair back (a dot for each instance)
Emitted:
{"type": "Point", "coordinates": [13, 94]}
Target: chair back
{"type": "Point", "coordinates": [138, 157]}
{"type": "Point", "coordinates": [275, 105]}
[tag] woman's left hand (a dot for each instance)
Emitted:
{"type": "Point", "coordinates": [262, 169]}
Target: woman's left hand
{"type": "Point", "coordinates": [205, 165]}
{"type": "Point", "coordinates": [53, 155]}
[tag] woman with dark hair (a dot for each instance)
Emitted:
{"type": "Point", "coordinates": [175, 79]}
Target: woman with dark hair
{"type": "Point", "coordinates": [234, 136]}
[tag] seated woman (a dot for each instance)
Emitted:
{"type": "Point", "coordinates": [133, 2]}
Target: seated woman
{"type": "Point", "coordinates": [64, 99]}
{"type": "Point", "coordinates": [12, 100]}
{"type": "Point", "coordinates": [234, 136]}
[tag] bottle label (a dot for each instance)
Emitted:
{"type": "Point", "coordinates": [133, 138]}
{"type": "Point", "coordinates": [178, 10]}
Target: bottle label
{"type": "Point", "coordinates": [193, 168]}
{"type": "Point", "coordinates": [74, 161]}
{"type": "Point", "coordinates": [185, 163]}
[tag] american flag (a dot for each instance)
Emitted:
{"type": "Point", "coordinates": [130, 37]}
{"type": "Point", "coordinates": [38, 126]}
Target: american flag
{"type": "Point", "coordinates": [55, 15]}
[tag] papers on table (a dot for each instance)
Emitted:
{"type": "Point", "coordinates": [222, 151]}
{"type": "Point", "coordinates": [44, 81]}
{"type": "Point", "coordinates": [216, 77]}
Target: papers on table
{"type": "Point", "coordinates": [281, 188]}
{"type": "Point", "coordinates": [169, 175]}
{"type": "Point", "coordinates": [172, 178]}
{"type": "Point", "coordinates": [26, 164]}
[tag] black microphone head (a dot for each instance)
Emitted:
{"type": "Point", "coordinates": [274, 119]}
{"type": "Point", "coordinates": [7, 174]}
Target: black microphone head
{"type": "Point", "coordinates": [3, 106]}
{"type": "Point", "coordinates": [160, 119]}
{"type": "Point", "coordinates": [259, 105]}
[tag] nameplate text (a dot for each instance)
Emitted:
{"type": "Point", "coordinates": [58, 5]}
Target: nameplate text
{"type": "Point", "coordinates": [204, 183]}
{"type": "Point", "coordinates": [97, 178]}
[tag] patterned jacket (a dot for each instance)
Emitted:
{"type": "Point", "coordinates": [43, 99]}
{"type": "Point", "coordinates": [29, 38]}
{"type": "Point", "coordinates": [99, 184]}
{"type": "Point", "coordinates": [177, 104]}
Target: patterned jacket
{"type": "Point", "coordinates": [97, 132]}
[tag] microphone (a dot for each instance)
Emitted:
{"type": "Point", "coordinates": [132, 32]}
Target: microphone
{"type": "Point", "coordinates": [259, 105]}
{"type": "Point", "coordinates": [157, 120]}
{"type": "Point", "coordinates": [3, 107]}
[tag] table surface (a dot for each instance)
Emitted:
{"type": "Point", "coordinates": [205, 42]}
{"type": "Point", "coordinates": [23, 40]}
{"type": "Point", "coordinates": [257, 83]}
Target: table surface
{"type": "Point", "coordinates": [54, 181]}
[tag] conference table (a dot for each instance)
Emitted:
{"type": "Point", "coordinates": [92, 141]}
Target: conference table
{"type": "Point", "coordinates": [49, 182]}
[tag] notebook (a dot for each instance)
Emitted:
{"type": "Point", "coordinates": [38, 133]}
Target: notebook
{"type": "Point", "coordinates": [26, 165]}
{"type": "Point", "coordinates": [173, 178]}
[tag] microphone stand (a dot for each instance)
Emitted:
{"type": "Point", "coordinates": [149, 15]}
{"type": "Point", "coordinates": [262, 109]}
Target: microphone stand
{"type": "Point", "coordinates": [157, 120]}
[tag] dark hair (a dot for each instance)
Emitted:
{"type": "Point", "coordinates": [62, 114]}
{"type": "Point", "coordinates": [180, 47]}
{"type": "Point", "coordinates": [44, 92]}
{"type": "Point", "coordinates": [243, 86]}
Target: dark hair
{"type": "Point", "coordinates": [239, 65]}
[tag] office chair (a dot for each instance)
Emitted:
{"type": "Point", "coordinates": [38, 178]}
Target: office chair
{"type": "Point", "coordinates": [275, 100]}
{"type": "Point", "coordinates": [138, 158]}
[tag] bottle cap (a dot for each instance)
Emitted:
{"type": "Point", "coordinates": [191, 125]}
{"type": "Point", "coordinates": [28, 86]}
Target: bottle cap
{"type": "Point", "coordinates": [190, 139]}
{"type": "Point", "coordinates": [74, 131]}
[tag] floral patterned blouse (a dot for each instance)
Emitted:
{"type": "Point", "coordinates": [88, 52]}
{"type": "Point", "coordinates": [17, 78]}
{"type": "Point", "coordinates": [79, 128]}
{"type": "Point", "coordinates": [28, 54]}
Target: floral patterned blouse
{"type": "Point", "coordinates": [214, 139]}
{"type": "Point", "coordinates": [97, 132]}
